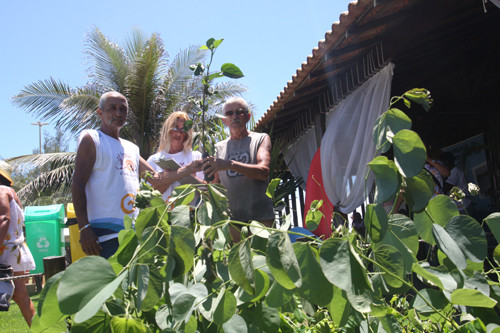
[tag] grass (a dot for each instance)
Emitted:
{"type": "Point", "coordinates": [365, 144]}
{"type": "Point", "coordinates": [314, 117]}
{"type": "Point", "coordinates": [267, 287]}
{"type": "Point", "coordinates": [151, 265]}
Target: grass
{"type": "Point", "coordinates": [12, 321]}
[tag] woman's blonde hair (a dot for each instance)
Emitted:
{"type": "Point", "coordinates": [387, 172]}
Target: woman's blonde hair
{"type": "Point", "coordinates": [170, 124]}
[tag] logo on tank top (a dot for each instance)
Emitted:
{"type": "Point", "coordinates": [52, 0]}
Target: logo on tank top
{"type": "Point", "coordinates": [127, 203]}
{"type": "Point", "coordinates": [239, 157]}
{"type": "Point", "coordinates": [126, 163]}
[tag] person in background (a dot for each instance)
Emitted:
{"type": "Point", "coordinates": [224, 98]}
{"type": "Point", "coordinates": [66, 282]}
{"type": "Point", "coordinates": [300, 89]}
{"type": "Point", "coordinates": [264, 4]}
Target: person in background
{"type": "Point", "coordinates": [358, 224]}
{"type": "Point", "coordinates": [106, 178]}
{"type": "Point", "coordinates": [456, 178]}
{"type": "Point", "coordinates": [13, 248]}
{"type": "Point", "coordinates": [241, 164]}
{"type": "Point", "coordinates": [437, 169]}
{"type": "Point", "coordinates": [176, 143]}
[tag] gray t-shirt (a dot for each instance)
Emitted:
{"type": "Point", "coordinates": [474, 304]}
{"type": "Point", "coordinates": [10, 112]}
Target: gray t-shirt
{"type": "Point", "coordinates": [247, 197]}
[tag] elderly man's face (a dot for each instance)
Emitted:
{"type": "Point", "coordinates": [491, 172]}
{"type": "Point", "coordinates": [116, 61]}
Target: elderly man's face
{"type": "Point", "coordinates": [236, 116]}
{"type": "Point", "coordinates": [114, 114]}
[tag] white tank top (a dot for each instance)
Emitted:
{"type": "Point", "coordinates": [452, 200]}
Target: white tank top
{"type": "Point", "coordinates": [114, 181]}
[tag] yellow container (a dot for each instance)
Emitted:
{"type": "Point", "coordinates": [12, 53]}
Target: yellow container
{"type": "Point", "coordinates": [74, 234]}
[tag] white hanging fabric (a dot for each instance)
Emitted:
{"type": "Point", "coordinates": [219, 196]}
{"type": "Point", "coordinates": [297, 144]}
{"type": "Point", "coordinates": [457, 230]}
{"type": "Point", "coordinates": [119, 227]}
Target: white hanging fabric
{"type": "Point", "coordinates": [348, 141]}
{"type": "Point", "coordinates": [299, 155]}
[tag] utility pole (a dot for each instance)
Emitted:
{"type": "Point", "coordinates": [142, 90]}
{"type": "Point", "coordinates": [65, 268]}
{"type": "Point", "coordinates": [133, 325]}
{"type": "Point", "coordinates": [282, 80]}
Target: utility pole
{"type": "Point", "coordinates": [40, 133]}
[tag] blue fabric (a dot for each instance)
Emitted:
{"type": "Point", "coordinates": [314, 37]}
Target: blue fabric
{"type": "Point", "coordinates": [303, 231]}
{"type": "Point", "coordinates": [109, 248]}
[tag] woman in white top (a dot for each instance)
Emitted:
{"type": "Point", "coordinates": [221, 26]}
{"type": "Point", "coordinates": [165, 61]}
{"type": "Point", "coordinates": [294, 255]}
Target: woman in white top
{"type": "Point", "coordinates": [176, 143]}
{"type": "Point", "coordinates": [13, 248]}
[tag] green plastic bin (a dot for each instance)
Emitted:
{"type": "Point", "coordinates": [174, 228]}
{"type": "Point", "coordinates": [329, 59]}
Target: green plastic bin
{"type": "Point", "coordinates": [44, 232]}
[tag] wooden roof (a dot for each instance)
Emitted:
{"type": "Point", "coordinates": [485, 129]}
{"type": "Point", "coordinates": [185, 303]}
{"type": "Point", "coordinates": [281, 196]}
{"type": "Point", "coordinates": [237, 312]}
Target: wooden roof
{"type": "Point", "coordinates": [450, 47]}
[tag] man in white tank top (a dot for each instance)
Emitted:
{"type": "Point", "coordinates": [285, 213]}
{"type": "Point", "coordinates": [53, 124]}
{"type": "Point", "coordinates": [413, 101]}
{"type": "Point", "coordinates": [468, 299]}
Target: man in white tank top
{"type": "Point", "coordinates": [241, 164]}
{"type": "Point", "coordinates": [106, 178]}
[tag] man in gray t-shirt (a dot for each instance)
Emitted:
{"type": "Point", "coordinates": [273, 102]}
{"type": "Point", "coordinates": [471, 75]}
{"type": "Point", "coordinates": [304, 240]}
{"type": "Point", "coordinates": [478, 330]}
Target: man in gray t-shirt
{"type": "Point", "coordinates": [241, 164]}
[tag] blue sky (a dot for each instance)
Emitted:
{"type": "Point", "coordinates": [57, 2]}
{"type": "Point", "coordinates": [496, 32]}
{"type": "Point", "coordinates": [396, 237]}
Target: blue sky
{"type": "Point", "coordinates": [268, 40]}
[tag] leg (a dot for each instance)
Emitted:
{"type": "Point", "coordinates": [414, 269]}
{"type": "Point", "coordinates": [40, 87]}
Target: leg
{"type": "Point", "coordinates": [22, 298]}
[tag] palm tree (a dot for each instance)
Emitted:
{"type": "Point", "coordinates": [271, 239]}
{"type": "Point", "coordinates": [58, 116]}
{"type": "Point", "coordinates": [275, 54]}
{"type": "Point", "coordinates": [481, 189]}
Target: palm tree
{"type": "Point", "coordinates": [141, 72]}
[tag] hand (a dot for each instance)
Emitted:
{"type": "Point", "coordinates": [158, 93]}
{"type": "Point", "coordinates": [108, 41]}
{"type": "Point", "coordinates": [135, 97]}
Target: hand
{"type": "Point", "coordinates": [213, 164]}
{"type": "Point", "coordinates": [196, 166]}
{"type": "Point", "coordinates": [88, 241]}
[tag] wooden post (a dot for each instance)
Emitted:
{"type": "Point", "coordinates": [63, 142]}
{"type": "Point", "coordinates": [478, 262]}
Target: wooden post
{"type": "Point", "coordinates": [53, 265]}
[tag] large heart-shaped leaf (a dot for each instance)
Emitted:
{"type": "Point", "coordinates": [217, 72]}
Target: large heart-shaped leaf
{"type": "Point", "coordinates": [83, 281]}
{"type": "Point", "coordinates": [315, 287]}
{"type": "Point", "coordinates": [391, 259]}
{"type": "Point", "coordinates": [232, 71]}
{"type": "Point", "coordinates": [446, 244]}
{"type": "Point", "coordinates": [182, 245]}
{"type": "Point", "coordinates": [471, 237]}
{"type": "Point", "coordinates": [343, 268]}
{"type": "Point", "coordinates": [388, 124]}
{"type": "Point", "coordinates": [278, 296]}
{"type": "Point", "coordinates": [127, 325]}
{"type": "Point", "coordinates": [376, 222]}
{"type": "Point", "coordinates": [282, 261]}
{"type": "Point", "coordinates": [241, 266]}
{"type": "Point", "coordinates": [472, 297]}
{"type": "Point", "coordinates": [493, 222]}
{"type": "Point", "coordinates": [386, 177]}
{"type": "Point", "coordinates": [409, 153]}
{"type": "Point", "coordinates": [418, 191]}
{"type": "Point", "coordinates": [226, 307]}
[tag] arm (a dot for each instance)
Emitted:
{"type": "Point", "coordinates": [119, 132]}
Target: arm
{"type": "Point", "coordinates": [4, 214]}
{"type": "Point", "coordinates": [162, 180]}
{"type": "Point", "coordinates": [85, 160]}
{"type": "Point", "coordinates": [259, 171]}
{"type": "Point", "coordinates": [444, 171]}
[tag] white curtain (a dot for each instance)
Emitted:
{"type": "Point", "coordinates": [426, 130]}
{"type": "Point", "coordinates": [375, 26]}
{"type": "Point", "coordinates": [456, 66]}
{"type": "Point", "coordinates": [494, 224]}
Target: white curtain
{"type": "Point", "coordinates": [348, 141]}
{"type": "Point", "coordinates": [299, 155]}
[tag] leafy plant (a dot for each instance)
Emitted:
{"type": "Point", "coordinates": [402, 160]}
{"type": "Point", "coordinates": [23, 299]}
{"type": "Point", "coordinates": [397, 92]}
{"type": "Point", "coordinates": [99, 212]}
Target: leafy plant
{"type": "Point", "coordinates": [178, 269]}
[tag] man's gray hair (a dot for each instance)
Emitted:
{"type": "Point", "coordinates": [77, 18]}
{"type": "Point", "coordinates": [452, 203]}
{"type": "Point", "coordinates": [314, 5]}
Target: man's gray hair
{"type": "Point", "coordinates": [104, 98]}
{"type": "Point", "coordinates": [236, 99]}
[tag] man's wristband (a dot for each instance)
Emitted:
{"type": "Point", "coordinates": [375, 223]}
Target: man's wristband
{"type": "Point", "coordinates": [84, 227]}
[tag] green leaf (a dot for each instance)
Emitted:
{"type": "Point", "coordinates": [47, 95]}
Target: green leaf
{"type": "Point", "coordinates": [231, 71]}
{"type": "Point", "coordinates": [142, 281]}
{"type": "Point", "coordinates": [91, 308]}
{"type": "Point", "coordinates": [226, 308]}
{"type": "Point", "coordinates": [392, 260]}
{"type": "Point", "coordinates": [155, 289]}
{"type": "Point", "coordinates": [182, 249]}
{"type": "Point", "coordinates": [376, 222]}
{"type": "Point", "coordinates": [48, 305]}
{"type": "Point", "coordinates": [420, 96]}
{"type": "Point", "coordinates": [471, 297]}
{"type": "Point", "coordinates": [273, 184]}
{"type": "Point", "coordinates": [214, 76]}
{"type": "Point", "coordinates": [439, 276]}
{"type": "Point", "coordinates": [182, 307]}
{"type": "Point", "coordinates": [241, 266]}
{"type": "Point", "coordinates": [386, 177]}
{"type": "Point", "coordinates": [434, 297]}
{"type": "Point", "coordinates": [314, 215]}
{"type": "Point", "coordinates": [419, 190]}
{"type": "Point", "coordinates": [339, 307]}
{"type": "Point", "coordinates": [388, 124]}
{"type": "Point", "coordinates": [101, 322]}
{"type": "Point", "coordinates": [127, 325]}
{"type": "Point", "coordinates": [180, 216]}
{"type": "Point", "coordinates": [496, 254]}
{"type": "Point", "coordinates": [493, 222]}
{"type": "Point", "coordinates": [315, 287]}
{"type": "Point", "coordinates": [128, 245]}
{"type": "Point", "coordinates": [262, 283]}
{"type": "Point", "coordinates": [471, 237]}
{"type": "Point", "coordinates": [282, 262]}
{"type": "Point", "coordinates": [235, 325]}
{"type": "Point", "coordinates": [440, 210]}
{"type": "Point", "coordinates": [257, 230]}
{"type": "Point", "coordinates": [409, 153]}
{"type": "Point", "coordinates": [446, 244]}
{"type": "Point", "coordinates": [343, 268]}
{"type": "Point", "coordinates": [402, 235]}
{"type": "Point", "coordinates": [278, 296]}
{"type": "Point", "coordinates": [82, 281]}
{"type": "Point", "coordinates": [148, 217]}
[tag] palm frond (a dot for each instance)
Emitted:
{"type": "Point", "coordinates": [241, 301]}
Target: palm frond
{"type": "Point", "coordinates": [43, 98]}
{"type": "Point", "coordinates": [53, 160]}
{"type": "Point", "coordinates": [47, 183]}
{"type": "Point", "coordinates": [109, 65]}
{"type": "Point", "coordinates": [179, 72]}
{"type": "Point", "coordinates": [134, 44]}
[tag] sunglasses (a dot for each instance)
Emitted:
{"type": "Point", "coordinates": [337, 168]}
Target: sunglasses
{"type": "Point", "coordinates": [179, 130]}
{"type": "Point", "coordinates": [238, 112]}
